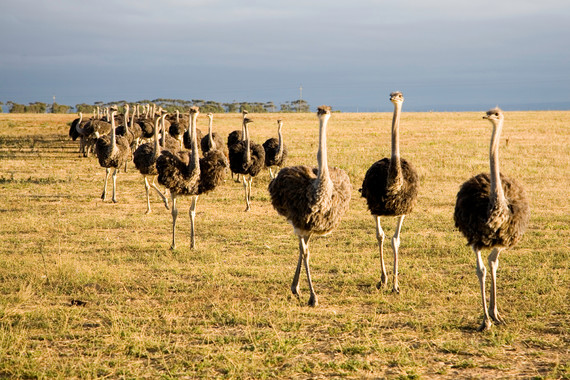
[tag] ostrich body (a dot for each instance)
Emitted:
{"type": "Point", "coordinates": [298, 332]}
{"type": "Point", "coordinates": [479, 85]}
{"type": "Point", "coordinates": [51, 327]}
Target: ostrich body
{"type": "Point", "coordinates": [112, 152]}
{"type": "Point", "coordinates": [177, 129]}
{"type": "Point", "coordinates": [184, 173]}
{"type": "Point", "coordinates": [144, 159]}
{"type": "Point", "coordinates": [247, 159]}
{"type": "Point", "coordinates": [312, 199]}
{"type": "Point", "coordinates": [275, 150]}
{"type": "Point", "coordinates": [213, 140]}
{"type": "Point", "coordinates": [491, 212]}
{"type": "Point", "coordinates": [235, 137]}
{"type": "Point", "coordinates": [390, 187]}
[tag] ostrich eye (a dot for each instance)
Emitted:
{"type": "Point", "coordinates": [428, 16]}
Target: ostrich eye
{"type": "Point", "coordinates": [496, 114]}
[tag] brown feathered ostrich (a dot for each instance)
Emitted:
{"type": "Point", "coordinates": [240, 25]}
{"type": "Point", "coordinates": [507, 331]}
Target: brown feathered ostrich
{"type": "Point", "coordinates": [275, 150]}
{"type": "Point", "coordinates": [235, 137]}
{"type": "Point", "coordinates": [144, 158]}
{"type": "Point", "coordinates": [312, 199]}
{"type": "Point", "coordinates": [390, 187]}
{"type": "Point", "coordinates": [213, 140]}
{"type": "Point", "coordinates": [184, 173]}
{"type": "Point", "coordinates": [112, 152]}
{"type": "Point", "coordinates": [491, 212]}
{"type": "Point", "coordinates": [246, 158]}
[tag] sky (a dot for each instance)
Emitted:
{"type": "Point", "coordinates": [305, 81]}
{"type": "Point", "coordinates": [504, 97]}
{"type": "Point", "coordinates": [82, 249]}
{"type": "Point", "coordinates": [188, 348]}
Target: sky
{"type": "Point", "coordinates": [442, 54]}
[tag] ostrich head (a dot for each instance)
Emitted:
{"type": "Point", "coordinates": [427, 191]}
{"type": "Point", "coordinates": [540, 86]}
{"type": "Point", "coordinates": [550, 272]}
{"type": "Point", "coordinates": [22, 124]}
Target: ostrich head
{"type": "Point", "coordinates": [494, 114]}
{"type": "Point", "coordinates": [324, 110]}
{"type": "Point", "coordinates": [397, 97]}
{"type": "Point", "coordinates": [194, 109]}
{"type": "Point", "coordinates": [210, 115]}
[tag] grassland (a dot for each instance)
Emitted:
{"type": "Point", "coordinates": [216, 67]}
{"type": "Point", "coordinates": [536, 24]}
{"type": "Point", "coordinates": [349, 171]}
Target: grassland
{"type": "Point", "coordinates": [225, 310]}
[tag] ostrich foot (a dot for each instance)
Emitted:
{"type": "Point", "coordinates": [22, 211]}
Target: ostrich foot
{"type": "Point", "coordinates": [103, 196]}
{"type": "Point", "coordinates": [114, 200]}
{"type": "Point", "coordinates": [383, 283]}
{"type": "Point", "coordinates": [497, 318]}
{"type": "Point", "coordinates": [396, 289]}
{"type": "Point", "coordinates": [172, 247]}
{"type": "Point", "coordinates": [313, 301]}
{"type": "Point", "coordinates": [485, 326]}
{"type": "Point", "coordinates": [148, 211]}
{"type": "Point", "coordinates": [166, 204]}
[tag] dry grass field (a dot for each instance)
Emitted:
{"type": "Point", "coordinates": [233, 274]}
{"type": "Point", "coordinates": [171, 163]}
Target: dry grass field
{"type": "Point", "coordinates": [225, 310]}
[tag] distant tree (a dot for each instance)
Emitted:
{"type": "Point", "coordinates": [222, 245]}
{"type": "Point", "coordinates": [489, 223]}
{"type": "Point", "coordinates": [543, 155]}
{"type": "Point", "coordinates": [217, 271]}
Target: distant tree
{"type": "Point", "coordinates": [15, 107]}
{"type": "Point", "coordinates": [295, 106]}
{"type": "Point", "coordinates": [85, 108]}
{"type": "Point", "coordinates": [231, 107]}
{"type": "Point", "coordinates": [1, 104]}
{"type": "Point", "coordinates": [59, 108]}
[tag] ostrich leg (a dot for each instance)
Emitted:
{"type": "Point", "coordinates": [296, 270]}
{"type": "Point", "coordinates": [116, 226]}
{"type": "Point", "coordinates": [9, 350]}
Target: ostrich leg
{"type": "Point", "coordinates": [107, 172]}
{"type": "Point", "coordinates": [481, 274]}
{"type": "Point", "coordinates": [395, 247]}
{"type": "Point", "coordinates": [313, 301]}
{"type": "Point", "coordinates": [174, 212]}
{"type": "Point", "coordinates": [115, 185]}
{"type": "Point", "coordinates": [380, 235]}
{"type": "Point", "coordinates": [192, 222]}
{"type": "Point", "coordinates": [162, 196]}
{"type": "Point", "coordinates": [295, 284]}
{"type": "Point", "coordinates": [246, 191]}
{"type": "Point", "coordinates": [147, 188]}
{"type": "Point", "coordinates": [493, 261]}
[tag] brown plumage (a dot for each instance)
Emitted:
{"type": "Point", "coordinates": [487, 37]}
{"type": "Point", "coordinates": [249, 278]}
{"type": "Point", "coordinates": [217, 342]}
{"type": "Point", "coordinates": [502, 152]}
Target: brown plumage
{"type": "Point", "coordinates": [184, 173]}
{"type": "Point", "coordinates": [248, 159]}
{"type": "Point", "coordinates": [275, 150]}
{"type": "Point", "coordinates": [312, 199]}
{"type": "Point", "coordinates": [390, 187]}
{"type": "Point", "coordinates": [213, 140]}
{"type": "Point", "coordinates": [235, 137]}
{"type": "Point", "coordinates": [144, 158]}
{"type": "Point", "coordinates": [492, 212]}
{"type": "Point", "coordinates": [112, 152]}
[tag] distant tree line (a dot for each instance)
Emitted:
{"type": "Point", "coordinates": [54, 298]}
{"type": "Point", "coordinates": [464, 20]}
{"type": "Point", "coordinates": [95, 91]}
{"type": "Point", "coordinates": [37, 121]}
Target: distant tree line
{"type": "Point", "coordinates": [170, 105]}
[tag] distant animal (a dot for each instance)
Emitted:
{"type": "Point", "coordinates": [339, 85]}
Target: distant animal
{"type": "Point", "coordinates": [112, 152]}
{"type": "Point", "coordinates": [235, 137]}
{"type": "Point", "coordinates": [184, 173]}
{"type": "Point", "coordinates": [491, 211]}
{"type": "Point", "coordinates": [312, 199]}
{"type": "Point", "coordinates": [275, 150]}
{"type": "Point", "coordinates": [213, 140]}
{"type": "Point", "coordinates": [144, 158]}
{"type": "Point", "coordinates": [390, 187]}
{"type": "Point", "coordinates": [248, 159]}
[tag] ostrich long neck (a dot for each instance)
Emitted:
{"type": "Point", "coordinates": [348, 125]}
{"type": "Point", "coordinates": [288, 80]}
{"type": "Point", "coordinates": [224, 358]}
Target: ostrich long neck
{"type": "Point", "coordinates": [247, 153]}
{"type": "Point", "coordinates": [497, 196]}
{"type": "Point", "coordinates": [194, 157]}
{"type": "Point", "coordinates": [323, 173]}
{"type": "Point", "coordinates": [210, 137]}
{"type": "Point", "coordinates": [126, 117]}
{"type": "Point", "coordinates": [113, 138]}
{"type": "Point", "coordinates": [395, 169]}
{"type": "Point", "coordinates": [280, 135]}
{"type": "Point", "coordinates": [156, 152]}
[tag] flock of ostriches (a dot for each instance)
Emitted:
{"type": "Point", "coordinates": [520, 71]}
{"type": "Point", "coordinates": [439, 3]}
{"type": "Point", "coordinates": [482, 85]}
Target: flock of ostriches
{"type": "Point", "coordinates": [491, 209]}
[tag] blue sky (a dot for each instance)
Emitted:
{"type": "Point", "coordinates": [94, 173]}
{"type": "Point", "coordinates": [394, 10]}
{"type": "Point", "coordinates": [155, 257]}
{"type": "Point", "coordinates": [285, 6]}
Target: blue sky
{"type": "Point", "coordinates": [443, 54]}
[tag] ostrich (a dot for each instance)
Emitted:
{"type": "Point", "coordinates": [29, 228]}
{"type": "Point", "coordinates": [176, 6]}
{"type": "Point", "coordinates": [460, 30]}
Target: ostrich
{"type": "Point", "coordinates": [390, 187]}
{"type": "Point", "coordinates": [275, 150]}
{"type": "Point", "coordinates": [177, 128]}
{"type": "Point", "coordinates": [247, 159]}
{"type": "Point", "coordinates": [183, 173]}
{"type": "Point", "coordinates": [144, 159]}
{"type": "Point", "coordinates": [491, 212]}
{"type": "Point", "coordinates": [213, 140]}
{"type": "Point", "coordinates": [235, 137]}
{"type": "Point", "coordinates": [187, 137]}
{"type": "Point", "coordinates": [112, 152]}
{"type": "Point", "coordinates": [312, 199]}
